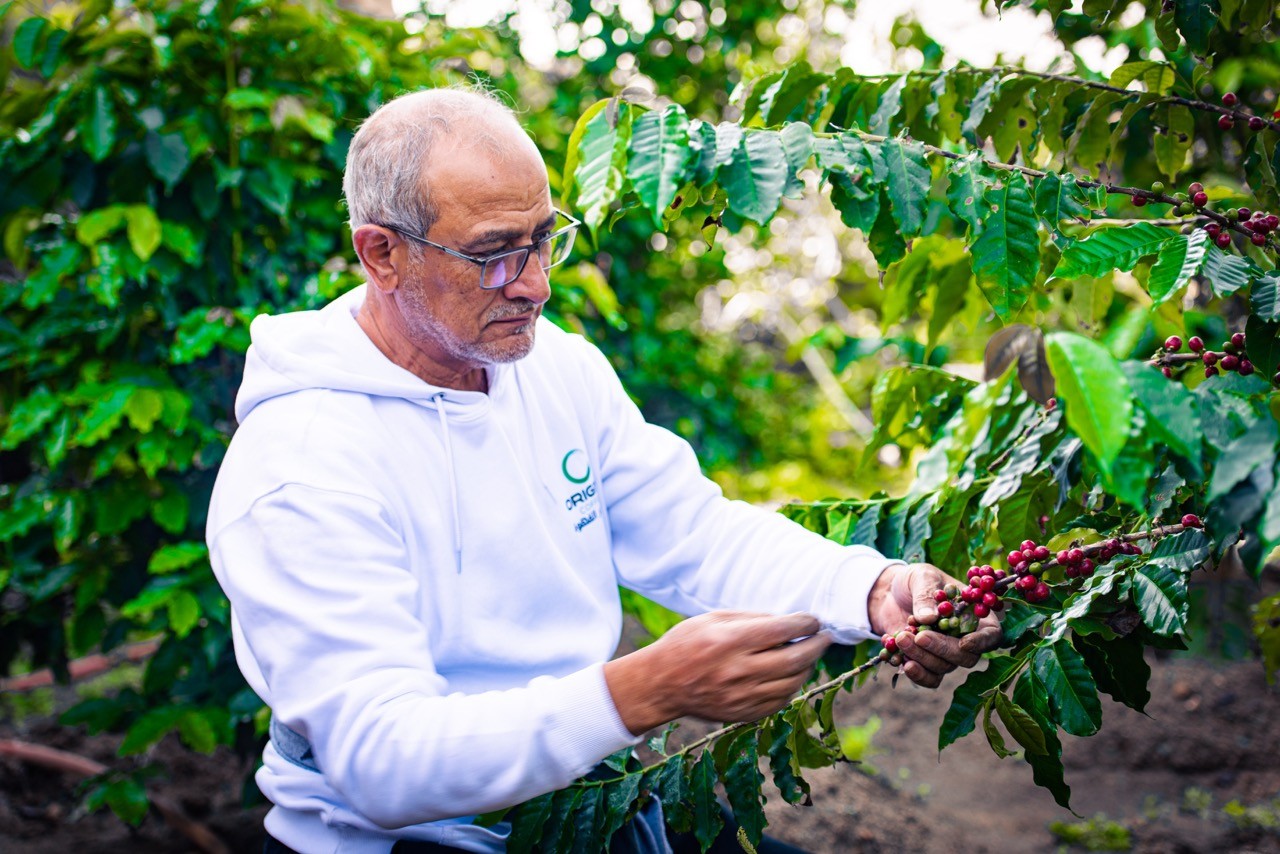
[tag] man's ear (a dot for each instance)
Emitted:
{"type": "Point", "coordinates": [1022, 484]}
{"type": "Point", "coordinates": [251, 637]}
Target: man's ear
{"type": "Point", "coordinates": [382, 254]}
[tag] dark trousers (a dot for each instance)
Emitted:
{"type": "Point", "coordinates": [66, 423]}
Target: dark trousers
{"type": "Point", "coordinates": [681, 843]}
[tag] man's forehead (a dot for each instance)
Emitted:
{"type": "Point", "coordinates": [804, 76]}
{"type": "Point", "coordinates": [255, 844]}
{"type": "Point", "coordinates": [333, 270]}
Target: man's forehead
{"type": "Point", "coordinates": [477, 184]}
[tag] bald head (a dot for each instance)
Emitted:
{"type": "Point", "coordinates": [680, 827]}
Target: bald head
{"type": "Point", "coordinates": [387, 177]}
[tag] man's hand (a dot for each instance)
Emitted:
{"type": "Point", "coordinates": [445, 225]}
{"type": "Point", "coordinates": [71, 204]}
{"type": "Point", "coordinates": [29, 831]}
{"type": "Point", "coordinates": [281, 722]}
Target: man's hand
{"type": "Point", "coordinates": [723, 666]}
{"type": "Point", "coordinates": [905, 591]}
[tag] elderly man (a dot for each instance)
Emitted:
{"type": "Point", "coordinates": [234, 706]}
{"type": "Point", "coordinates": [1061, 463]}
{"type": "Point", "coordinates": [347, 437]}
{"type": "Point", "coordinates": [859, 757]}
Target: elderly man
{"type": "Point", "coordinates": [423, 520]}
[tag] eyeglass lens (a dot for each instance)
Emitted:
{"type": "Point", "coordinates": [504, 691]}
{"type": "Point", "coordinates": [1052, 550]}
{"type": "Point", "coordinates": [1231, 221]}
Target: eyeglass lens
{"type": "Point", "coordinates": [504, 269]}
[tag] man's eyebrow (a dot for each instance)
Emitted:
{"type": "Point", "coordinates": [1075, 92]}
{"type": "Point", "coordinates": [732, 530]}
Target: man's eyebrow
{"type": "Point", "coordinates": [499, 236]}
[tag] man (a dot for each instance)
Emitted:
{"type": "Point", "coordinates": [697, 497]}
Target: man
{"type": "Point", "coordinates": [423, 519]}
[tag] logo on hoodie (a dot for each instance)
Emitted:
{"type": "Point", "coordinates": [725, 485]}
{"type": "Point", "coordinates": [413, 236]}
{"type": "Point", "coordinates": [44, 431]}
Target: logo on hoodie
{"type": "Point", "coordinates": [584, 500]}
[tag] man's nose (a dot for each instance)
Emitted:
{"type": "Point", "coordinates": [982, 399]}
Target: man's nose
{"type": "Point", "coordinates": [532, 284]}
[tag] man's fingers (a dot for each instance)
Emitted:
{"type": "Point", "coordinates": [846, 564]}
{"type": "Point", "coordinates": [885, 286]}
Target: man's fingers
{"type": "Point", "coordinates": [771, 631]}
{"type": "Point", "coordinates": [919, 675]}
{"type": "Point", "coordinates": [925, 582]}
{"type": "Point", "coordinates": [949, 649]}
{"type": "Point", "coordinates": [792, 659]}
{"type": "Point", "coordinates": [986, 637]}
{"type": "Point", "coordinates": [910, 646]}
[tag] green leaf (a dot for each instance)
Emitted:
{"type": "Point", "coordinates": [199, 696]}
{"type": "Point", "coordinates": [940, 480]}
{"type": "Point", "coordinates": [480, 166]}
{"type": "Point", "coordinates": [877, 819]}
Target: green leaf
{"type": "Point", "coordinates": [28, 417]}
{"type": "Point", "coordinates": [527, 821]}
{"type": "Point", "coordinates": [1118, 667]}
{"type": "Point", "coordinates": [978, 107]}
{"type": "Point", "coordinates": [26, 40]}
{"type": "Point", "coordinates": [197, 728]}
{"type": "Point", "coordinates": [1195, 20]}
{"type": "Point", "coordinates": [103, 416]}
{"type": "Point", "coordinates": [150, 728]}
{"type": "Point", "coordinates": [1265, 299]}
{"type": "Point", "coordinates": [1170, 408]}
{"type": "Point", "coordinates": [174, 556]}
{"type": "Point", "coordinates": [588, 818]}
{"type": "Point", "coordinates": [1178, 261]}
{"type": "Point", "coordinates": [1059, 197]}
{"type": "Point", "coordinates": [1250, 450]}
{"type": "Point", "coordinates": [783, 764]}
{"type": "Point", "coordinates": [707, 820]}
{"type": "Point", "coordinates": [865, 532]}
{"type": "Point", "coordinates": [143, 231]}
{"type": "Point", "coordinates": [742, 782]}
{"type": "Point", "coordinates": [168, 157]}
{"type": "Point", "coordinates": [659, 158]}
{"type": "Point", "coordinates": [97, 224]}
{"type": "Point", "coordinates": [994, 738]}
{"type": "Point", "coordinates": [1006, 255]}
{"type": "Point", "coordinates": [1174, 143]}
{"type": "Point", "coordinates": [602, 157]}
{"type": "Point", "coordinates": [755, 178]}
{"type": "Point", "coordinates": [558, 831]}
{"type": "Point", "coordinates": [673, 788]}
{"type": "Point", "coordinates": [128, 800]}
{"type": "Point", "coordinates": [1100, 592]}
{"type": "Point", "coordinates": [1095, 393]}
{"type": "Point", "coordinates": [618, 799]}
{"type": "Point", "coordinates": [1091, 142]}
{"type": "Point", "coordinates": [1161, 596]}
{"type": "Point", "coordinates": [728, 141]}
{"type": "Point", "coordinates": [1073, 696]}
{"type": "Point", "coordinates": [884, 239]}
{"type": "Point", "coordinates": [1226, 272]}
{"type": "Point", "coordinates": [890, 104]}
{"type": "Point", "coordinates": [968, 180]}
{"type": "Point", "coordinates": [1263, 344]}
{"type": "Point", "coordinates": [1020, 618]}
{"type": "Point", "coordinates": [1021, 725]}
{"type": "Point", "coordinates": [98, 126]}
{"type": "Point", "coordinates": [1111, 248]}
{"type": "Point", "coordinates": [908, 182]}
{"type": "Point", "coordinates": [962, 715]}
{"type": "Point", "coordinates": [1046, 769]}
{"type": "Point", "coordinates": [797, 145]}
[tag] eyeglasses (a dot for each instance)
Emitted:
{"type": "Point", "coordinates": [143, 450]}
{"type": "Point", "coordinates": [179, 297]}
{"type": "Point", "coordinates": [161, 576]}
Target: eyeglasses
{"type": "Point", "coordinates": [503, 268]}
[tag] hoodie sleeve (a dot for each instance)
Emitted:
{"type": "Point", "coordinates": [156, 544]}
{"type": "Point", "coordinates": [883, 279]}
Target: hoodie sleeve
{"type": "Point", "coordinates": [678, 540]}
{"type": "Point", "coordinates": [322, 594]}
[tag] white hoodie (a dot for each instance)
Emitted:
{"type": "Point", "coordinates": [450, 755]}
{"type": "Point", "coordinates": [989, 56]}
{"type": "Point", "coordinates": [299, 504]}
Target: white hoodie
{"type": "Point", "coordinates": [423, 581]}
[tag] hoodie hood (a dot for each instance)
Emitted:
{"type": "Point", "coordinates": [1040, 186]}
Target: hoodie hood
{"type": "Point", "coordinates": [327, 349]}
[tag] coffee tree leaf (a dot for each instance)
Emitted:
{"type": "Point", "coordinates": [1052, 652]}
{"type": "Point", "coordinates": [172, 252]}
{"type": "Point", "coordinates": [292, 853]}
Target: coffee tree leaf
{"type": "Point", "coordinates": [1058, 198]}
{"type": "Point", "coordinates": [919, 529]}
{"type": "Point", "coordinates": [858, 208]}
{"type": "Point", "coordinates": [1161, 596]}
{"type": "Point", "coordinates": [1006, 253]}
{"type": "Point", "coordinates": [890, 104]}
{"type": "Point", "coordinates": [558, 832]}
{"type": "Point", "coordinates": [797, 146]}
{"type": "Point", "coordinates": [602, 151]}
{"type": "Point", "coordinates": [1170, 410]}
{"type": "Point", "coordinates": [1102, 590]}
{"type": "Point", "coordinates": [908, 181]}
{"type": "Point", "coordinates": [98, 126]}
{"type": "Point", "coordinates": [754, 179]}
{"type": "Point", "coordinates": [1226, 272]}
{"type": "Point", "coordinates": [1111, 248]}
{"type": "Point", "coordinates": [1020, 725]}
{"type": "Point", "coordinates": [967, 183]}
{"type": "Point", "coordinates": [168, 156]}
{"type": "Point", "coordinates": [128, 800]}
{"type": "Point", "coordinates": [150, 728]}
{"type": "Point", "coordinates": [659, 157]}
{"type": "Point", "coordinates": [673, 789]}
{"type": "Point", "coordinates": [1073, 695]}
{"type": "Point", "coordinates": [1253, 448]}
{"type": "Point", "coordinates": [1173, 143]}
{"type": "Point", "coordinates": [866, 532]}
{"type": "Point", "coordinates": [782, 763]}
{"type": "Point", "coordinates": [1021, 617]}
{"type": "Point", "coordinates": [527, 821]}
{"type": "Point", "coordinates": [978, 108]}
{"type": "Point", "coordinates": [1179, 259]}
{"type": "Point", "coordinates": [618, 799]}
{"type": "Point", "coordinates": [1046, 768]}
{"type": "Point", "coordinates": [1196, 21]}
{"type": "Point", "coordinates": [961, 716]}
{"type": "Point", "coordinates": [1118, 667]}
{"type": "Point", "coordinates": [1264, 298]}
{"type": "Point", "coordinates": [1095, 394]}
{"type": "Point", "coordinates": [791, 91]}
{"type": "Point", "coordinates": [885, 240]}
{"type": "Point", "coordinates": [26, 40]}
{"type": "Point", "coordinates": [1263, 344]}
{"type": "Point", "coordinates": [994, 738]}
{"type": "Point", "coordinates": [707, 820]}
{"type": "Point", "coordinates": [588, 818]}
{"type": "Point", "coordinates": [742, 782]}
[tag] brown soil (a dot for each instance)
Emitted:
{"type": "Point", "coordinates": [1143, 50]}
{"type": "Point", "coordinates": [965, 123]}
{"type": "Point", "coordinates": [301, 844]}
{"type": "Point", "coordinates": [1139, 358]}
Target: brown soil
{"type": "Point", "coordinates": [1212, 736]}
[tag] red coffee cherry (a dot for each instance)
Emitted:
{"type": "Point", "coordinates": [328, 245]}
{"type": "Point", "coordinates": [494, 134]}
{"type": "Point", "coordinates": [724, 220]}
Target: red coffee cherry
{"type": "Point", "coordinates": [1028, 546]}
{"type": "Point", "coordinates": [946, 608]}
{"type": "Point", "coordinates": [1173, 344]}
{"type": "Point", "coordinates": [1223, 240]}
{"type": "Point", "coordinates": [1086, 567]}
{"type": "Point", "coordinates": [1071, 571]}
{"type": "Point", "coordinates": [1209, 358]}
{"type": "Point", "coordinates": [1015, 558]}
{"type": "Point", "coordinates": [1042, 553]}
{"type": "Point", "coordinates": [1191, 520]}
{"type": "Point", "coordinates": [1246, 367]}
{"type": "Point", "coordinates": [1229, 99]}
{"type": "Point", "coordinates": [980, 610]}
{"type": "Point", "coordinates": [1026, 582]}
{"type": "Point", "coordinates": [940, 596]}
{"type": "Point", "coordinates": [1200, 199]}
{"type": "Point", "coordinates": [1168, 372]}
{"type": "Point", "coordinates": [1256, 123]}
{"type": "Point", "coordinates": [1195, 187]}
{"type": "Point", "coordinates": [1196, 344]}
{"type": "Point", "coordinates": [1210, 372]}
{"type": "Point", "coordinates": [1237, 339]}
{"type": "Point", "coordinates": [1075, 556]}
{"type": "Point", "coordinates": [1064, 556]}
{"type": "Point", "coordinates": [986, 583]}
{"type": "Point", "coordinates": [1243, 213]}
{"type": "Point", "coordinates": [1230, 363]}
{"type": "Point", "coordinates": [1226, 122]}
{"type": "Point", "coordinates": [1258, 239]}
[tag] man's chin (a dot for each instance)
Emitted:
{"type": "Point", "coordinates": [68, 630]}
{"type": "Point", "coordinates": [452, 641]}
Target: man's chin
{"type": "Point", "coordinates": [513, 347]}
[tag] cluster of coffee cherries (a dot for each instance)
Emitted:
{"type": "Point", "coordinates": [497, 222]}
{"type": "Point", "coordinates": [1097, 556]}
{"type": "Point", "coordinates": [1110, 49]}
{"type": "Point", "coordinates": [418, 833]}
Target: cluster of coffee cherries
{"type": "Point", "coordinates": [1230, 358]}
{"type": "Point", "coordinates": [1228, 121]}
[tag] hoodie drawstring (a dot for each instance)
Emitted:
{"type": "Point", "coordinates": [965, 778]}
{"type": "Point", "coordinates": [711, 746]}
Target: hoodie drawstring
{"type": "Point", "coordinates": [453, 480]}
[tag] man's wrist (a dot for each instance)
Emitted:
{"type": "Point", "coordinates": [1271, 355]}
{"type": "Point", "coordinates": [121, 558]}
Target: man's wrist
{"type": "Point", "coordinates": [639, 691]}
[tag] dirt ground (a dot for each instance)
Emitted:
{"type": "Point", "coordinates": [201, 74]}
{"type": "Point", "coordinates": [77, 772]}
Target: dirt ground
{"type": "Point", "coordinates": [1200, 773]}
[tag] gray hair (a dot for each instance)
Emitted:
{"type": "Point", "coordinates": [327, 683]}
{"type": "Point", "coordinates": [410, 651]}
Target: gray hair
{"type": "Point", "coordinates": [383, 181]}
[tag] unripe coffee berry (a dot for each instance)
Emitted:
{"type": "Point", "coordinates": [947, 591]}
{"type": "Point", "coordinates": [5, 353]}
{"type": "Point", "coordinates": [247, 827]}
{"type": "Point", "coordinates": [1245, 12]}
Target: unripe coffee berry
{"type": "Point", "coordinates": [1196, 344]}
{"type": "Point", "coordinates": [1230, 99]}
{"type": "Point", "coordinates": [1173, 344]}
{"type": "Point", "coordinates": [946, 608]}
{"type": "Point", "coordinates": [1191, 520]}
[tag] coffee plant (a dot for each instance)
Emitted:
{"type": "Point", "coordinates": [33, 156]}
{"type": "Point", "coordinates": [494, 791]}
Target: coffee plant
{"type": "Point", "coordinates": [1081, 467]}
{"type": "Point", "coordinates": [168, 170]}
